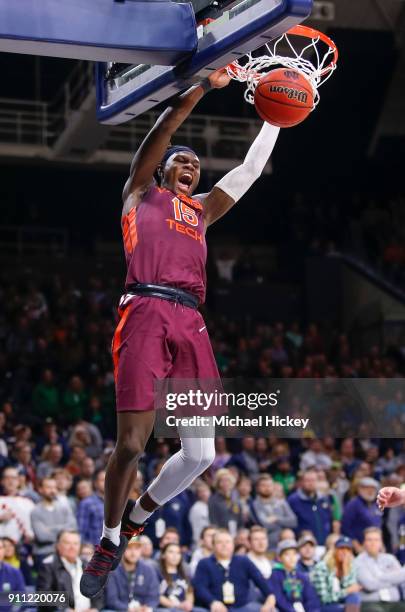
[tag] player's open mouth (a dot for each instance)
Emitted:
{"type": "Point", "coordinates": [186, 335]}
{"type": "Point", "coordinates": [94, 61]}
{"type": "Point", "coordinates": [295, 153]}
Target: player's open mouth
{"type": "Point", "coordinates": [185, 181]}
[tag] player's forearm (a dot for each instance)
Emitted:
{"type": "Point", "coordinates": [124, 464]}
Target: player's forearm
{"type": "Point", "coordinates": [172, 118]}
{"type": "Point", "coordinates": [240, 179]}
{"type": "Point", "coordinates": [158, 139]}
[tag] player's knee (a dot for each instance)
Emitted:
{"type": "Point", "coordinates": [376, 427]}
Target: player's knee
{"type": "Point", "coordinates": [129, 449]}
{"type": "Point", "coordinates": [209, 455]}
{"type": "Point", "coordinates": [200, 457]}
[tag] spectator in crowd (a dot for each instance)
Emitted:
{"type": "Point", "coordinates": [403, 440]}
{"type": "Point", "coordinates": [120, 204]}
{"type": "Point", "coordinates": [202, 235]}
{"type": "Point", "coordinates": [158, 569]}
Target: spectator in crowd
{"type": "Point", "coordinates": [88, 436]}
{"type": "Point", "coordinates": [175, 590]}
{"type": "Point", "coordinates": [313, 511]}
{"type": "Point", "coordinates": [199, 513]}
{"type": "Point", "coordinates": [50, 435]}
{"type": "Point", "coordinates": [361, 512]}
{"type": "Point", "coordinates": [48, 519]}
{"type": "Point", "coordinates": [35, 305]}
{"type": "Point", "coordinates": [169, 536]}
{"type": "Point", "coordinates": [222, 456]}
{"type": "Point", "coordinates": [334, 579]}
{"type": "Point", "coordinates": [259, 545]}
{"type": "Point", "coordinates": [246, 460]}
{"type": "Point", "coordinates": [379, 574]}
{"type": "Point", "coordinates": [278, 352]}
{"type": "Point", "coordinates": [23, 460]}
{"type": "Point", "coordinates": [388, 463]}
{"type": "Point", "coordinates": [284, 474]}
{"type": "Point", "coordinates": [15, 510]}
{"type": "Point", "coordinates": [315, 457]}
{"type": "Point", "coordinates": [221, 581]}
{"type": "Point", "coordinates": [52, 456]}
{"type": "Point", "coordinates": [90, 513]}
{"type": "Point", "coordinates": [223, 505]}
{"type": "Point", "coordinates": [242, 541]}
{"type": "Point", "coordinates": [45, 397]}
{"type": "Point", "coordinates": [88, 469]}
{"type": "Point", "coordinates": [64, 482]}
{"type": "Point", "coordinates": [76, 458]}
{"type": "Point", "coordinates": [134, 585]}
{"type": "Point", "coordinates": [287, 534]}
{"type": "Point", "coordinates": [225, 263]}
{"type": "Point", "coordinates": [13, 557]}
{"type": "Point", "coordinates": [270, 511]}
{"type": "Point", "coordinates": [292, 588]}
{"type": "Point", "coordinates": [62, 571]}
{"type": "Point", "coordinates": [11, 578]}
{"type": "Point", "coordinates": [26, 488]}
{"type": "Point", "coordinates": [338, 481]}
{"type": "Point", "coordinates": [348, 456]}
{"type": "Point", "coordinates": [205, 547]}
{"type": "Point", "coordinates": [244, 490]}
{"type": "Point", "coordinates": [306, 548]}
{"type": "Point", "coordinates": [74, 400]}
{"type": "Point", "coordinates": [83, 489]}
{"type": "Point", "coordinates": [146, 548]}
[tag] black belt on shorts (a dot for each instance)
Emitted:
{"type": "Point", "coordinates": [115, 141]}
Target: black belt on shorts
{"type": "Point", "coordinates": [164, 292]}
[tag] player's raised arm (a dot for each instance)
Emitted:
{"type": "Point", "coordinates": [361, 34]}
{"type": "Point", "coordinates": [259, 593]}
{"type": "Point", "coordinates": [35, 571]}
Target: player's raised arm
{"type": "Point", "coordinates": [236, 183]}
{"type": "Point", "coordinates": [156, 142]}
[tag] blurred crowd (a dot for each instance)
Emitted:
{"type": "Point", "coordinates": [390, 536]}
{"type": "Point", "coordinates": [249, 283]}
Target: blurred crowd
{"type": "Point", "coordinates": [273, 524]}
{"type": "Point", "coordinates": [368, 228]}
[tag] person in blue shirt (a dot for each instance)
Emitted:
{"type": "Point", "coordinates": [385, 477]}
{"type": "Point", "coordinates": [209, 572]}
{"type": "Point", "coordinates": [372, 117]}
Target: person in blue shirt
{"type": "Point", "coordinates": [221, 582]}
{"type": "Point", "coordinates": [361, 512]}
{"type": "Point", "coordinates": [133, 584]}
{"type": "Point", "coordinates": [314, 511]}
{"type": "Point", "coordinates": [173, 514]}
{"type": "Point", "coordinates": [11, 579]}
{"type": "Point", "coordinates": [90, 512]}
{"type": "Point", "coordinates": [292, 588]}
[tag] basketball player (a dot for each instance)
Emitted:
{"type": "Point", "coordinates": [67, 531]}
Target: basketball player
{"type": "Point", "coordinates": [390, 497]}
{"type": "Point", "coordinates": [161, 333]}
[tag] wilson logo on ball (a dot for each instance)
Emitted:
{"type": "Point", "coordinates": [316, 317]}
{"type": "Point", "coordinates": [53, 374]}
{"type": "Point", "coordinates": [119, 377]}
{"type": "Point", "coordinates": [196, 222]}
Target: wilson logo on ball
{"type": "Point", "coordinates": [292, 94]}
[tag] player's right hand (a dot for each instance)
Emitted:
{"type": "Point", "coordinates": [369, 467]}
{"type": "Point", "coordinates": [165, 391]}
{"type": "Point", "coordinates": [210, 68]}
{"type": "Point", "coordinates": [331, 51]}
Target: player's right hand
{"type": "Point", "coordinates": [390, 497]}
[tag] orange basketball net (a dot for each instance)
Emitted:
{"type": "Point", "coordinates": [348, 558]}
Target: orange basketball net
{"type": "Point", "coordinates": [316, 61]}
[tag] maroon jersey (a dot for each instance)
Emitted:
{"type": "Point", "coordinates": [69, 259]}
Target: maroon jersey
{"type": "Point", "coordinates": [164, 242]}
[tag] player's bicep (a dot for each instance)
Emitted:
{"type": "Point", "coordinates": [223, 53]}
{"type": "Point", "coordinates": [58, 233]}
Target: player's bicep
{"type": "Point", "coordinates": [216, 205]}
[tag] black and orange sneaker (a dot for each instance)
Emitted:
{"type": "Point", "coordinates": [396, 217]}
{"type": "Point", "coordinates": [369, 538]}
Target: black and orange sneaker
{"type": "Point", "coordinates": [129, 530]}
{"type": "Point", "coordinates": [106, 557]}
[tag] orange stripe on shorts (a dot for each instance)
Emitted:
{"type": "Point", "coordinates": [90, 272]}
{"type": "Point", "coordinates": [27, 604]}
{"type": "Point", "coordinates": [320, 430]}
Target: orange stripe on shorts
{"type": "Point", "coordinates": [116, 343]}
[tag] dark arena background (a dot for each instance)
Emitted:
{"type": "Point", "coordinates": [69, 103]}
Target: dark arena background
{"type": "Point", "coordinates": [306, 279]}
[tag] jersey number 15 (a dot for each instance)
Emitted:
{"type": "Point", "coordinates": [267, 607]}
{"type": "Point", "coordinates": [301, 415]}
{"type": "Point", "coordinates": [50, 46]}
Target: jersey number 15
{"type": "Point", "coordinates": [182, 212]}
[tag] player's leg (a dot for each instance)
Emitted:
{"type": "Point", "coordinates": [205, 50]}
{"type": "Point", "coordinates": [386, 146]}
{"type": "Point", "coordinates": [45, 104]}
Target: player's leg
{"type": "Point", "coordinates": [194, 359]}
{"type": "Point", "coordinates": [178, 473]}
{"type": "Point", "coordinates": [134, 429]}
{"type": "Point", "coordinates": [140, 354]}
{"type": "Point", "coordinates": [133, 432]}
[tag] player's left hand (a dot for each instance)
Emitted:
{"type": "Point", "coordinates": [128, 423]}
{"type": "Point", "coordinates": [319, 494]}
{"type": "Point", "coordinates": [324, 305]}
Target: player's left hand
{"type": "Point", "coordinates": [219, 78]}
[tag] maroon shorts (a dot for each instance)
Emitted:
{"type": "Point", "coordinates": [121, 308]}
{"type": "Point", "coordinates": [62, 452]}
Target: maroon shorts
{"type": "Point", "coordinates": [157, 339]}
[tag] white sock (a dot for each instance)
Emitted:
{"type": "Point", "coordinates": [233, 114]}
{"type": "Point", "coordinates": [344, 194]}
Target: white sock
{"type": "Point", "coordinates": [112, 533]}
{"type": "Point", "coordinates": [138, 515]}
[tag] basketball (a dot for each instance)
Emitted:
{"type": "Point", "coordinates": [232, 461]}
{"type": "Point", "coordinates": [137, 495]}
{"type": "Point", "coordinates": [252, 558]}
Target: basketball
{"type": "Point", "coordinates": [284, 97]}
